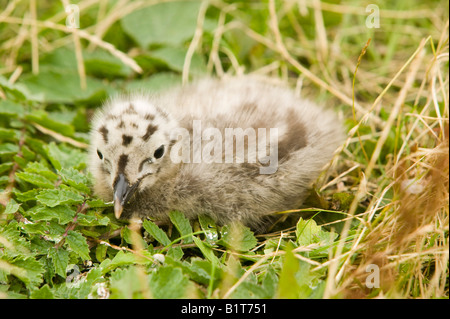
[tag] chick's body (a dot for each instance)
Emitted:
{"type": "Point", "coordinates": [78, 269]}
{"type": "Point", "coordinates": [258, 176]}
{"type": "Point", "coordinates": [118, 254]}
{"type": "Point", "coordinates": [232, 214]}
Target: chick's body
{"type": "Point", "coordinates": [249, 149]}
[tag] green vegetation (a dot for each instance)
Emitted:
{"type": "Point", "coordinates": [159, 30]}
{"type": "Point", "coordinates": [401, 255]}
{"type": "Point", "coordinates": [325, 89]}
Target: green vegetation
{"type": "Point", "coordinates": [383, 201]}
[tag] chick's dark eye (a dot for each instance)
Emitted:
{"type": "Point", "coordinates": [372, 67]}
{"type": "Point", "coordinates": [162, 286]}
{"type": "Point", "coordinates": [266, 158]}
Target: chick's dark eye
{"type": "Point", "coordinates": [159, 152]}
{"type": "Point", "coordinates": [100, 155]}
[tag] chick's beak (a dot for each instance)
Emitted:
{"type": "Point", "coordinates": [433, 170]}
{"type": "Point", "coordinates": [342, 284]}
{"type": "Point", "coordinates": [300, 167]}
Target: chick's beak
{"type": "Point", "coordinates": [122, 193]}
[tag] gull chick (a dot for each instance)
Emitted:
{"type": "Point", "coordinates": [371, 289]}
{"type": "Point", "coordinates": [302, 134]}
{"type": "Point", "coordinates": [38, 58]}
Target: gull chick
{"type": "Point", "coordinates": [234, 149]}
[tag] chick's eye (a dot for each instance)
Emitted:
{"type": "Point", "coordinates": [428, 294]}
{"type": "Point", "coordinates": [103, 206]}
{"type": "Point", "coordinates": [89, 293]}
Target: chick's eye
{"type": "Point", "coordinates": [100, 155]}
{"type": "Point", "coordinates": [159, 152]}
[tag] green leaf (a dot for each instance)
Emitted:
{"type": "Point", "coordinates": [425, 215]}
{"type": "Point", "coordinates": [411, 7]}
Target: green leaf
{"type": "Point", "coordinates": [8, 149]}
{"type": "Point", "coordinates": [288, 287]}
{"type": "Point", "coordinates": [75, 179]}
{"type": "Point", "coordinates": [63, 87]}
{"type": "Point", "coordinates": [307, 232]}
{"type": "Point", "coordinates": [156, 232]}
{"type": "Point", "coordinates": [77, 242]}
{"type": "Point", "coordinates": [55, 197]}
{"type": "Point", "coordinates": [237, 237]}
{"type": "Point", "coordinates": [11, 207]}
{"type": "Point", "coordinates": [41, 169]}
{"type": "Point", "coordinates": [62, 156]}
{"type": "Point", "coordinates": [60, 259]}
{"type": "Point", "coordinates": [209, 227]}
{"type": "Point", "coordinates": [41, 117]}
{"type": "Point", "coordinates": [42, 293]}
{"type": "Point", "coordinates": [175, 59]}
{"type": "Point", "coordinates": [11, 109]}
{"type": "Point", "coordinates": [28, 269]}
{"type": "Point", "coordinates": [126, 284]}
{"type": "Point", "coordinates": [170, 23]}
{"type": "Point", "coordinates": [169, 283]}
{"type": "Point", "coordinates": [182, 224]}
{"type": "Point", "coordinates": [7, 134]}
{"type": "Point", "coordinates": [206, 251]}
{"type": "Point", "coordinates": [35, 179]}
{"type": "Point", "coordinates": [63, 213]}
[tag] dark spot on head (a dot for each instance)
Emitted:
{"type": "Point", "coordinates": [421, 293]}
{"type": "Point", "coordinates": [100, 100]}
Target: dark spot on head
{"type": "Point", "coordinates": [104, 131]}
{"type": "Point", "coordinates": [121, 124]}
{"type": "Point", "coordinates": [150, 130]}
{"type": "Point", "coordinates": [123, 161]}
{"type": "Point", "coordinates": [149, 117]}
{"type": "Point", "coordinates": [130, 109]}
{"type": "Point", "coordinates": [134, 125]}
{"type": "Point", "coordinates": [126, 140]}
{"type": "Point", "coordinates": [112, 117]}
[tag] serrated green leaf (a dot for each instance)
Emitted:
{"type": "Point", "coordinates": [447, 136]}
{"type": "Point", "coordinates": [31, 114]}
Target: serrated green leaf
{"type": "Point", "coordinates": [55, 197]}
{"type": "Point", "coordinates": [8, 134]}
{"type": "Point", "coordinates": [8, 149]}
{"type": "Point", "coordinates": [182, 224]}
{"type": "Point", "coordinates": [63, 213]}
{"type": "Point", "coordinates": [31, 271]}
{"type": "Point", "coordinates": [62, 156]}
{"type": "Point", "coordinates": [156, 232]}
{"type": "Point", "coordinates": [75, 179]}
{"type": "Point", "coordinates": [168, 283]}
{"type": "Point", "coordinates": [42, 293]}
{"type": "Point", "coordinates": [11, 207]}
{"type": "Point", "coordinates": [41, 169]}
{"type": "Point", "coordinates": [35, 179]}
{"type": "Point", "coordinates": [77, 242]}
{"type": "Point", "coordinates": [60, 260]}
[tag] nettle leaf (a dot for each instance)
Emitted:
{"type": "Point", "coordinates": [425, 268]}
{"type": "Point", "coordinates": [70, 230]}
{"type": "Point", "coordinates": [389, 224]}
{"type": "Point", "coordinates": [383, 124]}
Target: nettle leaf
{"type": "Point", "coordinates": [41, 169]}
{"type": "Point", "coordinates": [42, 293]}
{"type": "Point", "coordinates": [8, 149]}
{"type": "Point", "coordinates": [55, 197]}
{"type": "Point", "coordinates": [11, 207]}
{"type": "Point", "coordinates": [28, 269]}
{"type": "Point", "coordinates": [60, 259]}
{"type": "Point", "coordinates": [171, 23]}
{"type": "Point", "coordinates": [77, 242]}
{"type": "Point", "coordinates": [74, 178]}
{"type": "Point", "coordinates": [8, 134]}
{"type": "Point", "coordinates": [237, 237]}
{"type": "Point", "coordinates": [182, 224]}
{"type": "Point", "coordinates": [62, 156]}
{"type": "Point", "coordinates": [63, 213]}
{"type": "Point", "coordinates": [35, 179]}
